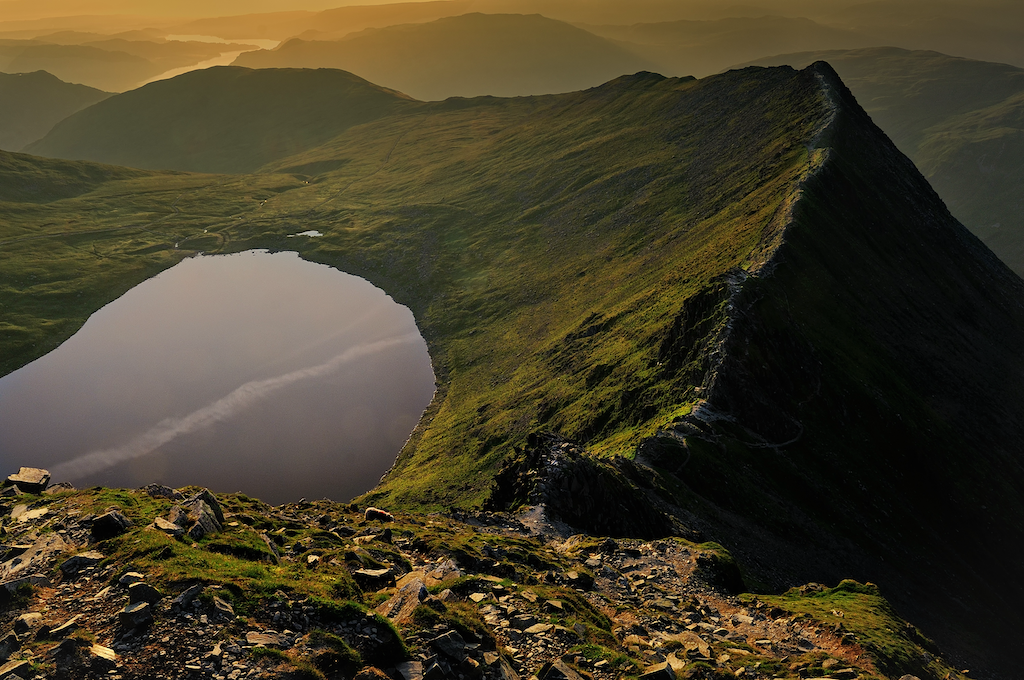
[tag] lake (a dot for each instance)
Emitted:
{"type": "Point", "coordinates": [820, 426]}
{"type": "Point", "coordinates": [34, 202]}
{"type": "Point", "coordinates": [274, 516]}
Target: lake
{"type": "Point", "coordinates": [255, 372]}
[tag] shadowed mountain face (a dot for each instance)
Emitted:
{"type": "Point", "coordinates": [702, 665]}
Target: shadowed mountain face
{"type": "Point", "coordinates": [739, 278]}
{"type": "Point", "coordinates": [31, 103]}
{"type": "Point", "coordinates": [470, 55]}
{"type": "Point", "coordinates": [224, 119]}
{"type": "Point", "coordinates": [962, 123]}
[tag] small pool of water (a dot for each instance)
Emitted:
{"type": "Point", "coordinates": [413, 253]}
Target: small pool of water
{"type": "Point", "coordinates": [254, 372]}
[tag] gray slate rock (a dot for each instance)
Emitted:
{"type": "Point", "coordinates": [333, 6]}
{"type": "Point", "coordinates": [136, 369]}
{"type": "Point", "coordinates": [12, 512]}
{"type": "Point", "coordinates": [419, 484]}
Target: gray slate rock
{"type": "Point", "coordinates": [558, 670]}
{"type": "Point", "coordinates": [161, 491]}
{"type": "Point", "coordinates": [401, 605]}
{"type": "Point", "coordinates": [37, 559]}
{"type": "Point", "coordinates": [65, 629]}
{"type": "Point", "coordinates": [223, 607]}
{"type": "Point", "coordinates": [451, 645]}
{"type": "Point", "coordinates": [185, 598]}
{"type": "Point", "coordinates": [129, 578]}
{"type": "Point", "coordinates": [110, 524]}
{"type": "Point", "coordinates": [168, 527]}
{"type": "Point", "coordinates": [58, 487]}
{"type": "Point", "coordinates": [9, 644]}
{"type": "Point", "coordinates": [143, 592]}
{"type": "Point", "coordinates": [136, 615]}
{"type": "Point", "coordinates": [661, 671]}
{"type": "Point", "coordinates": [77, 563]}
{"type": "Point", "coordinates": [18, 668]}
{"type": "Point", "coordinates": [27, 622]}
{"type": "Point", "coordinates": [267, 639]}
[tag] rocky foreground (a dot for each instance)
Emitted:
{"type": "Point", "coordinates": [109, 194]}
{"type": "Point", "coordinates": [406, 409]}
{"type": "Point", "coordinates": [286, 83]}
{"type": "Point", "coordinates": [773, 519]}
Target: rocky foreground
{"type": "Point", "coordinates": [163, 583]}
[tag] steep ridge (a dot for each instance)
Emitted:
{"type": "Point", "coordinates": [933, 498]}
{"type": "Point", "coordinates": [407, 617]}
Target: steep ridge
{"type": "Point", "coordinates": [504, 55]}
{"type": "Point", "coordinates": [34, 102]}
{"type": "Point", "coordinates": [865, 390]}
{"type": "Point", "coordinates": [223, 119]}
{"type": "Point", "coordinates": [959, 120]}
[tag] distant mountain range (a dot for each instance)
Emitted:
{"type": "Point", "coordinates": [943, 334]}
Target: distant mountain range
{"type": "Point", "coordinates": [469, 55]}
{"type": "Point", "coordinates": [111, 64]}
{"type": "Point", "coordinates": [32, 103]}
{"type": "Point", "coordinates": [224, 119]}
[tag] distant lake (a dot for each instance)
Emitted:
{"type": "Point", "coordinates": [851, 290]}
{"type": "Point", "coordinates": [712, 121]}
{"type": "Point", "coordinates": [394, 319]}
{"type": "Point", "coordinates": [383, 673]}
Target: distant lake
{"type": "Point", "coordinates": [253, 372]}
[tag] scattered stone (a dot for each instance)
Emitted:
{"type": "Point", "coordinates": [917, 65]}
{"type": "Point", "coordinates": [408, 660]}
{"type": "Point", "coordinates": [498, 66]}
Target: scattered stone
{"type": "Point", "coordinates": [373, 579]}
{"type": "Point", "coordinates": [538, 628]}
{"type": "Point", "coordinates": [558, 670]}
{"type": "Point", "coordinates": [451, 645]}
{"type": "Point", "coordinates": [58, 488]}
{"type": "Point", "coordinates": [161, 491]}
{"type": "Point", "coordinates": [185, 598]}
{"type": "Point", "coordinates": [103, 658]}
{"type": "Point", "coordinates": [18, 668]}
{"type": "Point", "coordinates": [27, 622]}
{"type": "Point", "coordinates": [661, 671]}
{"type": "Point", "coordinates": [109, 525]}
{"type": "Point", "coordinates": [400, 606]}
{"type": "Point", "coordinates": [168, 527]}
{"type": "Point", "coordinates": [223, 607]}
{"type": "Point", "coordinates": [30, 480]}
{"type": "Point", "coordinates": [9, 644]}
{"type": "Point", "coordinates": [129, 578]}
{"type": "Point", "coordinates": [136, 615]}
{"type": "Point", "coordinates": [143, 592]}
{"type": "Point", "coordinates": [267, 638]}
{"type": "Point", "coordinates": [371, 673]}
{"type": "Point", "coordinates": [65, 629]}
{"type": "Point", "coordinates": [442, 573]}
{"type": "Point", "coordinates": [376, 514]}
{"type": "Point", "coordinates": [410, 670]}
{"type": "Point", "coordinates": [37, 559]}
{"type": "Point", "coordinates": [32, 515]}
{"type": "Point", "coordinates": [32, 580]}
{"type": "Point", "coordinates": [77, 563]}
{"type": "Point", "coordinates": [477, 597]}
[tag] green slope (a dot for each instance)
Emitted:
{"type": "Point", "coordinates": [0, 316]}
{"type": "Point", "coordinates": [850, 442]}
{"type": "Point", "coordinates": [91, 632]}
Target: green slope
{"type": "Point", "coordinates": [223, 119]}
{"type": "Point", "coordinates": [622, 264]}
{"type": "Point", "coordinates": [474, 54]}
{"type": "Point", "coordinates": [32, 103]}
{"type": "Point", "coordinates": [959, 120]}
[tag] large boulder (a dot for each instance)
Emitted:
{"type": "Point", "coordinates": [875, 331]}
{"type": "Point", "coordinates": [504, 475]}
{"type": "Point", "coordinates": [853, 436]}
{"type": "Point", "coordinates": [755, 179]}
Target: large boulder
{"type": "Point", "coordinates": [199, 515]}
{"type": "Point", "coordinates": [30, 480]}
{"type": "Point", "coordinates": [109, 525]}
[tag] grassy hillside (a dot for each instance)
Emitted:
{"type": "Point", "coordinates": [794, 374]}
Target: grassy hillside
{"type": "Point", "coordinates": [959, 120]}
{"type": "Point", "coordinates": [474, 54]}
{"type": "Point", "coordinates": [223, 119]}
{"type": "Point", "coordinates": [738, 277]}
{"type": "Point", "coordinates": [34, 102]}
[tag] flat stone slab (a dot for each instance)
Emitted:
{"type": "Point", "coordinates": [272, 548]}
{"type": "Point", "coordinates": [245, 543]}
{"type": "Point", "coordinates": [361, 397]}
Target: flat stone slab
{"type": "Point", "coordinates": [266, 639]}
{"type": "Point", "coordinates": [30, 480]}
{"type": "Point", "coordinates": [538, 628]}
{"type": "Point", "coordinates": [77, 563]}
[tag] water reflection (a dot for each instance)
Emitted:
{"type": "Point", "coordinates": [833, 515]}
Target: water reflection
{"type": "Point", "coordinates": [255, 372]}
